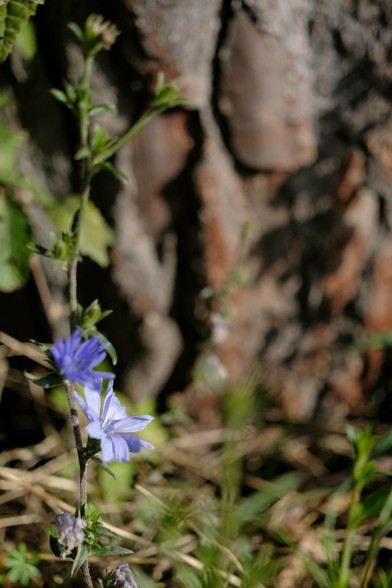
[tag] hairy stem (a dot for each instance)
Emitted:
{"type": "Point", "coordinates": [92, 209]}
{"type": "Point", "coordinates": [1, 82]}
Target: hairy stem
{"type": "Point", "coordinates": [85, 569]}
{"type": "Point", "coordinates": [73, 266]}
{"type": "Point", "coordinates": [83, 463]}
{"type": "Point", "coordinates": [83, 115]}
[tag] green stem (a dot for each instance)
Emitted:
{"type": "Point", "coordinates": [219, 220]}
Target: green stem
{"type": "Point", "coordinates": [84, 99]}
{"type": "Point", "coordinates": [345, 565]}
{"type": "Point", "coordinates": [73, 266]}
{"type": "Point", "coordinates": [83, 115]}
{"type": "Point", "coordinates": [83, 461]}
{"type": "Point", "coordinates": [384, 522]}
{"type": "Point", "coordinates": [144, 119]}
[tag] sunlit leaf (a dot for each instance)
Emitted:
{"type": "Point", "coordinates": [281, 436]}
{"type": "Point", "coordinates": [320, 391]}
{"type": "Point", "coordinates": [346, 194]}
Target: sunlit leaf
{"type": "Point", "coordinates": [96, 235]}
{"type": "Point", "coordinates": [15, 232]}
{"type": "Point", "coordinates": [81, 556]}
{"type": "Point", "coordinates": [13, 15]}
{"type": "Point", "coordinates": [110, 550]}
{"type": "Point", "coordinates": [11, 141]}
{"type": "Point", "coordinates": [26, 41]}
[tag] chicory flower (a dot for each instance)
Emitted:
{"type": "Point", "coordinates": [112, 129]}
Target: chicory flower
{"type": "Point", "coordinates": [76, 359]}
{"type": "Point", "coordinates": [111, 425]}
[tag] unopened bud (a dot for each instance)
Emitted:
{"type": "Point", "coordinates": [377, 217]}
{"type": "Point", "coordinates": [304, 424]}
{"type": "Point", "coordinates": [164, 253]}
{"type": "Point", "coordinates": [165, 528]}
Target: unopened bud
{"type": "Point", "coordinates": [121, 577]}
{"type": "Point", "coordinates": [71, 532]}
{"type": "Point", "coordinates": [102, 30]}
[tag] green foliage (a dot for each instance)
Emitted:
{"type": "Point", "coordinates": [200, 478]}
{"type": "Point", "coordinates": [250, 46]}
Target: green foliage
{"type": "Point", "coordinates": [90, 316]}
{"type": "Point", "coordinates": [15, 232]}
{"type": "Point", "coordinates": [13, 15]}
{"type": "Point", "coordinates": [92, 543]}
{"type": "Point", "coordinates": [96, 235]}
{"type": "Point", "coordinates": [385, 579]}
{"type": "Point", "coordinates": [11, 142]}
{"type": "Point", "coordinates": [22, 566]}
{"type": "Point", "coordinates": [62, 250]}
{"type": "Point", "coordinates": [26, 41]}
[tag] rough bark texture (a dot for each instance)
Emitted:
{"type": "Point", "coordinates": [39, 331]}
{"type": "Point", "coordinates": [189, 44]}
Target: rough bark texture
{"type": "Point", "coordinates": [287, 126]}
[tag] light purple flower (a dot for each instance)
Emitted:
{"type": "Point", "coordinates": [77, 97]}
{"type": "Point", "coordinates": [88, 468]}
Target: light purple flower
{"type": "Point", "coordinates": [76, 358]}
{"type": "Point", "coordinates": [111, 424]}
{"type": "Point", "coordinates": [71, 532]}
{"type": "Point", "coordinates": [122, 577]}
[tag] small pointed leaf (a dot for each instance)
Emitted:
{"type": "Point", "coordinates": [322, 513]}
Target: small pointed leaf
{"type": "Point", "coordinates": [103, 465]}
{"type": "Point", "coordinates": [101, 108]}
{"type": "Point", "coordinates": [113, 170]}
{"type": "Point", "coordinates": [59, 95]}
{"type": "Point", "coordinates": [52, 380]}
{"type": "Point", "coordinates": [81, 556]}
{"type": "Point", "coordinates": [110, 550]}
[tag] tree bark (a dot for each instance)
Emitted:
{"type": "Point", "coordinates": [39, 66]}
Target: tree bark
{"type": "Point", "coordinates": [288, 128]}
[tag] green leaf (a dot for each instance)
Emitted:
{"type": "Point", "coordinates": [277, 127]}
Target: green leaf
{"type": "Point", "coordinates": [112, 353]}
{"type": "Point", "coordinates": [15, 232]}
{"type": "Point", "coordinates": [52, 380]}
{"type": "Point", "coordinates": [103, 465]}
{"type": "Point", "coordinates": [250, 507]}
{"type": "Point", "coordinates": [80, 558]}
{"type": "Point", "coordinates": [13, 15]}
{"type": "Point", "coordinates": [96, 235]}
{"type": "Point", "coordinates": [90, 316]}
{"type": "Point", "coordinates": [110, 550]}
{"type": "Point", "coordinates": [77, 31]}
{"type": "Point", "coordinates": [91, 513]}
{"type": "Point", "coordinates": [112, 169]}
{"type": "Point", "coordinates": [41, 346]}
{"type": "Point", "coordinates": [102, 530]}
{"type": "Point", "coordinates": [82, 153]}
{"type": "Point", "coordinates": [26, 41]}
{"type": "Point", "coordinates": [101, 108]}
{"type": "Point", "coordinates": [59, 95]}
{"type": "Point", "coordinates": [383, 446]}
{"type": "Point", "coordinates": [11, 141]}
{"type": "Point", "coordinates": [54, 545]}
{"type": "Point", "coordinates": [99, 138]}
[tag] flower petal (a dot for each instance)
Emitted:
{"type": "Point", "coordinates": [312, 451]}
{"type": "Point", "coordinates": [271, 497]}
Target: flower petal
{"type": "Point", "coordinates": [86, 409]}
{"type": "Point", "coordinates": [135, 445]}
{"type": "Point", "coordinates": [76, 359]}
{"type": "Point", "coordinates": [114, 448]}
{"type": "Point", "coordinates": [132, 423]}
{"type": "Point", "coordinates": [94, 430]}
{"type": "Point", "coordinates": [93, 398]}
{"type": "Point", "coordinates": [112, 408]}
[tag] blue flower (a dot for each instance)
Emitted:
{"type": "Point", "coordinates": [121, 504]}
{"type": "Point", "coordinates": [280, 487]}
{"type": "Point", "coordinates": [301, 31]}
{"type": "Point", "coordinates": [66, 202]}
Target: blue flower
{"type": "Point", "coordinates": [76, 359]}
{"type": "Point", "coordinates": [111, 425]}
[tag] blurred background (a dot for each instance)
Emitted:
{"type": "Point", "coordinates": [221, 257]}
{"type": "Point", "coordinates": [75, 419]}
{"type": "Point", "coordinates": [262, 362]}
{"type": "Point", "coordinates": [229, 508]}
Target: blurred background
{"type": "Point", "coordinates": [253, 237]}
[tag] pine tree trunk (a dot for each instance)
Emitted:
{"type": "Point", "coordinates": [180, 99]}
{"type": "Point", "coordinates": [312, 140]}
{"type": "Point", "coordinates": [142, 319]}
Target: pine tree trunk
{"type": "Point", "coordinates": [287, 129]}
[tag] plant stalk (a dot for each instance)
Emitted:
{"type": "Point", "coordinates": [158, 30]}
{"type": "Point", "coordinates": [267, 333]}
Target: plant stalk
{"type": "Point", "coordinates": [83, 105]}
{"type": "Point", "coordinates": [345, 565]}
{"type": "Point", "coordinates": [381, 529]}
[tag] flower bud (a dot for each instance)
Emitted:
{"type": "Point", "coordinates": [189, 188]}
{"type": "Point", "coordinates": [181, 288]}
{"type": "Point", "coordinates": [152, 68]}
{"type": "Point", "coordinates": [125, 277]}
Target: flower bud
{"type": "Point", "coordinates": [71, 532]}
{"type": "Point", "coordinates": [121, 577]}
